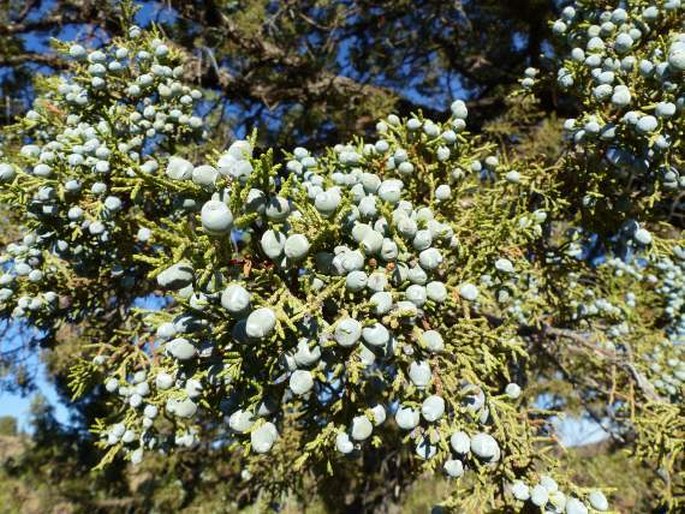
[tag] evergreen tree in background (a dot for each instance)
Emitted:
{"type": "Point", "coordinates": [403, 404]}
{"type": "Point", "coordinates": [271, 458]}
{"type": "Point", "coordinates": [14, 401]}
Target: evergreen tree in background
{"type": "Point", "coordinates": [306, 72]}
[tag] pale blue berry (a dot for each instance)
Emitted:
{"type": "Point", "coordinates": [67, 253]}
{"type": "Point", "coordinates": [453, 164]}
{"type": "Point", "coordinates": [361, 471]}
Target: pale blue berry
{"type": "Point", "coordinates": [205, 176]}
{"type": "Point", "coordinates": [185, 408]}
{"type": "Point", "coordinates": [347, 332]}
{"type": "Point", "coordinates": [454, 468]}
{"type": "Point", "coordinates": [306, 356]}
{"type": "Point", "coordinates": [420, 373]}
{"type": "Point", "coordinates": [296, 247]}
{"type": "Point", "coordinates": [432, 341]}
{"type": "Point", "coordinates": [416, 294]}
{"type": "Point", "coordinates": [513, 391]}
{"type": "Point", "coordinates": [177, 276]}
{"type": "Point", "coordinates": [443, 192]}
{"type": "Point", "coordinates": [539, 496]}
{"type": "Point", "coordinates": [468, 292]}
{"type": "Point", "coordinates": [676, 57]}
{"type": "Point", "coordinates": [422, 240]}
{"type": "Point", "coordinates": [425, 449]}
{"type": "Point", "coordinates": [216, 217]}
{"type": "Point", "coordinates": [459, 110]}
{"type": "Point", "coordinates": [263, 438]}
{"type": "Point", "coordinates": [406, 418]}
{"type": "Point", "coordinates": [343, 443]}
{"type": "Point", "coordinates": [575, 506]}
{"type": "Point", "coordinates": [430, 258]}
{"type": "Point", "coordinates": [241, 421]}
{"type": "Point", "coordinates": [647, 124]}
{"type": "Point", "coordinates": [379, 414]}
{"type": "Point", "coordinates": [665, 109]}
{"type": "Point", "coordinates": [277, 208]}
{"type": "Point", "coordinates": [381, 302]}
{"type": "Point", "coordinates": [598, 501]}
{"type": "Point", "coordinates": [377, 281]}
{"type": "Point", "coordinates": [273, 243]}
{"type": "Point", "coordinates": [643, 236]}
{"type": "Point", "coordinates": [260, 323]}
{"type": "Point", "coordinates": [164, 380]}
{"type": "Point", "coordinates": [390, 190]}
{"type": "Point", "coordinates": [623, 43]}
{"type": "Point", "coordinates": [111, 385]}
{"type": "Point", "coordinates": [179, 169]}
{"type": "Point", "coordinates": [485, 447]}
{"type": "Point", "coordinates": [436, 291]}
{"type": "Point", "coordinates": [77, 52]}
{"type": "Point", "coordinates": [356, 280]}
{"type": "Point", "coordinates": [520, 490]}
{"type": "Point", "coordinates": [301, 382]}
{"type": "Point", "coordinates": [376, 335]}
{"type": "Point", "coordinates": [361, 428]}
{"type": "Point", "coordinates": [181, 349]}
{"type": "Point", "coordinates": [7, 173]}
{"type": "Point", "coordinates": [235, 299]}
{"type": "Point", "coordinates": [433, 408]}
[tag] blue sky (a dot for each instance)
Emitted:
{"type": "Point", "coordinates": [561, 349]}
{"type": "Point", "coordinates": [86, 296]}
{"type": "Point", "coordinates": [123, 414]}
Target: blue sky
{"type": "Point", "coordinates": [17, 404]}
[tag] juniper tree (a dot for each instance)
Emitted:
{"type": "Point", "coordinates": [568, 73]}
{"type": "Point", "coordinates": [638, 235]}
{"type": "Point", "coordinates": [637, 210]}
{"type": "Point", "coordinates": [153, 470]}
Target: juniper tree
{"type": "Point", "coordinates": [310, 72]}
{"type": "Point", "coordinates": [411, 293]}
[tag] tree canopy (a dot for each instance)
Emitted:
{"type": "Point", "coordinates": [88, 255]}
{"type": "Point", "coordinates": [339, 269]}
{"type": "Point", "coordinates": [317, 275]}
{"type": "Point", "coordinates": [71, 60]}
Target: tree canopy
{"type": "Point", "coordinates": [268, 233]}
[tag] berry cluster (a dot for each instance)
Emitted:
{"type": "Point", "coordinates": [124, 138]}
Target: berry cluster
{"type": "Point", "coordinates": [91, 161]}
{"type": "Point", "coordinates": [625, 67]}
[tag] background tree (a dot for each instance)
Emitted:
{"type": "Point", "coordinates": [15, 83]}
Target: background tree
{"type": "Point", "coordinates": [311, 72]}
